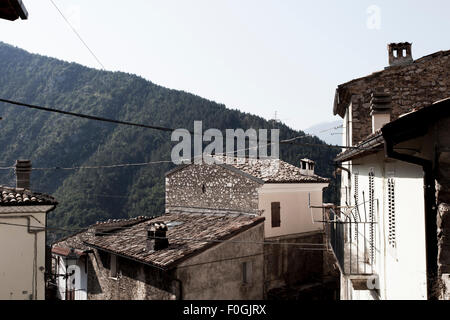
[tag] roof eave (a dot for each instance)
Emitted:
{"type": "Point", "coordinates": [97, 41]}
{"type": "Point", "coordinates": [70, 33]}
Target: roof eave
{"type": "Point", "coordinates": [369, 146]}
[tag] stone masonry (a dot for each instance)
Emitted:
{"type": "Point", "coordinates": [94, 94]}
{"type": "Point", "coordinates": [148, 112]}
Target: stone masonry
{"type": "Point", "coordinates": [211, 187]}
{"type": "Point", "coordinates": [412, 85]}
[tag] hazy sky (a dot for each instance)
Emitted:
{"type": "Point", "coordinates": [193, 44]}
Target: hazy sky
{"type": "Point", "coordinates": [257, 56]}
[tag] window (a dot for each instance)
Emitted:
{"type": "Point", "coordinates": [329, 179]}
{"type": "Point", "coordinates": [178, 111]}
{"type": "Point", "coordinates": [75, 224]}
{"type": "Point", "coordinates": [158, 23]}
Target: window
{"type": "Point", "coordinates": [391, 213]}
{"type": "Point", "coordinates": [356, 196]}
{"type": "Point", "coordinates": [203, 188]}
{"type": "Point", "coordinates": [247, 272]}
{"type": "Point", "coordinates": [371, 213]}
{"type": "Point", "coordinates": [275, 214]}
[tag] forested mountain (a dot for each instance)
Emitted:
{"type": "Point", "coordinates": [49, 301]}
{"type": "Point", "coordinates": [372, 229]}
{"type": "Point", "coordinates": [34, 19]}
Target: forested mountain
{"type": "Point", "coordinates": [52, 140]}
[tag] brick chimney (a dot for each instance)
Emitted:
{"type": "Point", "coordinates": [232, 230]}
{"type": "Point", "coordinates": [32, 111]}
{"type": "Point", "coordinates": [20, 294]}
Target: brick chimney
{"type": "Point", "coordinates": [380, 108]}
{"type": "Point", "coordinates": [23, 173]}
{"type": "Point", "coordinates": [400, 54]}
{"type": "Point", "coordinates": [156, 236]}
{"type": "Point", "coordinates": [307, 167]}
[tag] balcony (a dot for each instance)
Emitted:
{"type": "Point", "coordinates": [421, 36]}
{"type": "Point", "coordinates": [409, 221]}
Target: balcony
{"type": "Point", "coordinates": [352, 242]}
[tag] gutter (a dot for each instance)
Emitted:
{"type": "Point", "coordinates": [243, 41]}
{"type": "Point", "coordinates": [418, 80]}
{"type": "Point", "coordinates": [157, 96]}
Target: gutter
{"type": "Point", "coordinates": [364, 147]}
{"type": "Point", "coordinates": [430, 208]}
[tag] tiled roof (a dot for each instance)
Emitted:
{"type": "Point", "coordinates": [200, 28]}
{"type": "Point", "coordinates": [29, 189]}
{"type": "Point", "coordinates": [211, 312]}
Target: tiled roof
{"type": "Point", "coordinates": [273, 170]}
{"type": "Point", "coordinates": [75, 241]}
{"type": "Point", "coordinates": [185, 234]}
{"type": "Point", "coordinates": [23, 197]}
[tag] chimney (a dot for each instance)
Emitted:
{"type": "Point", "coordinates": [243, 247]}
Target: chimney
{"type": "Point", "coordinates": [400, 54]}
{"type": "Point", "coordinates": [380, 109]}
{"type": "Point", "coordinates": [307, 167]}
{"type": "Point", "coordinates": [23, 172]}
{"type": "Point", "coordinates": [156, 236]}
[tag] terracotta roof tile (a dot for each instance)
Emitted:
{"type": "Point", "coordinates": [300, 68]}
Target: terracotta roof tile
{"type": "Point", "coordinates": [186, 232]}
{"type": "Point", "coordinates": [272, 170]}
{"type": "Point", "coordinates": [23, 197]}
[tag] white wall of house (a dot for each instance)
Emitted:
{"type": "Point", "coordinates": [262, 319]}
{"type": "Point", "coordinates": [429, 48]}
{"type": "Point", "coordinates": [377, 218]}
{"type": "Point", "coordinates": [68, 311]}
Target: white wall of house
{"type": "Point", "coordinates": [77, 281]}
{"type": "Point", "coordinates": [22, 263]}
{"type": "Point", "coordinates": [295, 215]}
{"type": "Point", "coordinates": [401, 268]}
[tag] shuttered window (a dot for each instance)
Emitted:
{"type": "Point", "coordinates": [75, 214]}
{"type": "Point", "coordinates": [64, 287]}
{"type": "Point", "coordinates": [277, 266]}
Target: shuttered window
{"type": "Point", "coordinates": [371, 213]}
{"type": "Point", "coordinates": [275, 214]}
{"type": "Point", "coordinates": [356, 196]}
{"type": "Point", "coordinates": [391, 213]}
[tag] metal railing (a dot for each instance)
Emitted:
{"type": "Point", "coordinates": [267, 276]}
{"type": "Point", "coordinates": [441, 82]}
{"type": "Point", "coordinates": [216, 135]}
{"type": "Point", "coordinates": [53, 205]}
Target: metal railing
{"type": "Point", "coordinates": [353, 243]}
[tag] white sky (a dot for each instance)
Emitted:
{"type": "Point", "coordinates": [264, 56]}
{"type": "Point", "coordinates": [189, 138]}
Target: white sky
{"type": "Point", "coordinates": [254, 55]}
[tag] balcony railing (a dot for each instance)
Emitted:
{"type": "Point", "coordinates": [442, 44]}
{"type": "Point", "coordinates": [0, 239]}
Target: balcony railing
{"type": "Point", "coordinates": [353, 243]}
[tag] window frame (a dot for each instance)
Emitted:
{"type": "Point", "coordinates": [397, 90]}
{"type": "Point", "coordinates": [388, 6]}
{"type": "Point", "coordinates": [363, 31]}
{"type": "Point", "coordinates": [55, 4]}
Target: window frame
{"type": "Point", "coordinates": [275, 211]}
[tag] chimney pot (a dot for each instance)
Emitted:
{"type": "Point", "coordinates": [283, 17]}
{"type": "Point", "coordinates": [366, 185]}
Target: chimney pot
{"type": "Point", "coordinates": [307, 167]}
{"type": "Point", "coordinates": [156, 236]}
{"type": "Point", "coordinates": [23, 173]}
{"type": "Point", "coordinates": [396, 56]}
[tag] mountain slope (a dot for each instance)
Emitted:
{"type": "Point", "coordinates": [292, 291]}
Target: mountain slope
{"type": "Point", "coordinates": [330, 132]}
{"type": "Point", "coordinates": [53, 140]}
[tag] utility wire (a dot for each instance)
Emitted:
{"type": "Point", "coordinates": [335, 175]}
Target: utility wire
{"type": "Point", "coordinates": [77, 34]}
{"type": "Point", "coordinates": [299, 245]}
{"type": "Point", "coordinates": [85, 116]}
{"type": "Point", "coordinates": [97, 118]}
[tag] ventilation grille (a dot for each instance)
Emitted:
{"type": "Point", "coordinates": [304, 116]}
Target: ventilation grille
{"type": "Point", "coordinates": [356, 203]}
{"type": "Point", "coordinates": [371, 214]}
{"type": "Point", "coordinates": [391, 213]}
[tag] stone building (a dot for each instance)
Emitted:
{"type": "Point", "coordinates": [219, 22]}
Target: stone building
{"type": "Point", "coordinates": [394, 169]}
{"type": "Point", "coordinates": [235, 207]}
{"type": "Point", "coordinates": [287, 196]}
{"type": "Point", "coordinates": [410, 83]}
{"type": "Point", "coordinates": [195, 255]}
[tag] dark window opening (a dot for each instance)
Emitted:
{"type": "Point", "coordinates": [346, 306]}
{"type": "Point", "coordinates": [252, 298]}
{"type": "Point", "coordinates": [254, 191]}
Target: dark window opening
{"type": "Point", "coordinates": [275, 210]}
{"type": "Point", "coordinates": [203, 188]}
{"type": "Point", "coordinates": [246, 272]}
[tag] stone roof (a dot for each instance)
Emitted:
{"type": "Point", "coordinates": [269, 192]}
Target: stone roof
{"type": "Point", "coordinates": [23, 197]}
{"type": "Point", "coordinates": [343, 92]}
{"type": "Point", "coordinates": [266, 170]}
{"type": "Point", "coordinates": [274, 171]}
{"type": "Point", "coordinates": [185, 234]}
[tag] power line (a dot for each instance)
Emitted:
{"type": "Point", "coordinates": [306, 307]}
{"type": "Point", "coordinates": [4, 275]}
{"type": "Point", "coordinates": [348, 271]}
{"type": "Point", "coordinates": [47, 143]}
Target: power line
{"type": "Point", "coordinates": [103, 119]}
{"type": "Point", "coordinates": [85, 116]}
{"type": "Point", "coordinates": [299, 245]}
{"type": "Point", "coordinates": [77, 34]}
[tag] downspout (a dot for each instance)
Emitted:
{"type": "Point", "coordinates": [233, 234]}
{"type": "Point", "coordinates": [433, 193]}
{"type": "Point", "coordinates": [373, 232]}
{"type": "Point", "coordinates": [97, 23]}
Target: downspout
{"type": "Point", "coordinates": [431, 244]}
{"type": "Point", "coordinates": [180, 288]}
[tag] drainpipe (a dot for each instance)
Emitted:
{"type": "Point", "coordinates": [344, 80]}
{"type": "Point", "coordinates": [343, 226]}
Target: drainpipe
{"type": "Point", "coordinates": [430, 210]}
{"type": "Point", "coordinates": [180, 288]}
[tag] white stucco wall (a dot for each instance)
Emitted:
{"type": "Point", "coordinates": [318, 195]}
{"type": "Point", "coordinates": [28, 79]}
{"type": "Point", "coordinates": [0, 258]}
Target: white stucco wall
{"type": "Point", "coordinates": [401, 271]}
{"type": "Point", "coordinates": [22, 263]}
{"type": "Point", "coordinates": [80, 277]}
{"type": "Point", "coordinates": [295, 215]}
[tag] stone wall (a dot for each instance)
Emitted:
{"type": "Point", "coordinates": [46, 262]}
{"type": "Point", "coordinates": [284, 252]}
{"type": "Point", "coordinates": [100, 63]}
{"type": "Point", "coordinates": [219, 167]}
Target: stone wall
{"type": "Point", "coordinates": [217, 273]}
{"type": "Point", "coordinates": [416, 85]}
{"type": "Point", "coordinates": [291, 266]}
{"type": "Point", "coordinates": [212, 187]}
{"type": "Point", "coordinates": [136, 281]}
